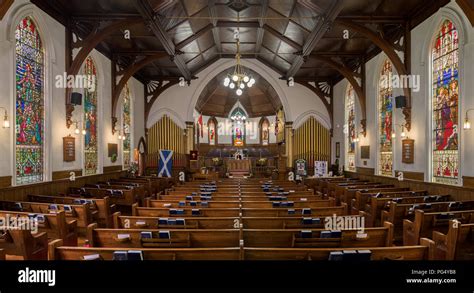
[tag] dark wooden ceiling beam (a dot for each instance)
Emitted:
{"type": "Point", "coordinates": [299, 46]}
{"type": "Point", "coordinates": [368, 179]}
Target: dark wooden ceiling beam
{"type": "Point", "coordinates": [127, 74]}
{"type": "Point", "coordinates": [215, 30]}
{"type": "Point", "coordinates": [290, 19]}
{"type": "Point", "coordinates": [103, 16]}
{"type": "Point", "coordinates": [316, 34]}
{"type": "Point", "coordinates": [389, 50]}
{"type": "Point", "coordinates": [337, 53]}
{"type": "Point", "coordinates": [349, 75]}
{"type": "Point", "coordinates": [88, 44]}
{"type": "Point", "coordinates": [135, 52]}
{"type": "Point", "coordinates": [154, 23]}
{"type": "Point", "coordinates": [260, 31]}
{"type": "Point", "coordinates": [282, 37]}
{"type": "Point", "coordinates": [4, 6]}
{"type": "Point", "coordinates": [194, 36]}
{"type": "Point", "coordinates": [381, 19]}
{"type": "Point", "coordinates": [231, 23]}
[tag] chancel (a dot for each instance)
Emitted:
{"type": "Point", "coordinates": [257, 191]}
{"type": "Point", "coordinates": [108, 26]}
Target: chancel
{"type": "Point", "coordinates": [237, 130]}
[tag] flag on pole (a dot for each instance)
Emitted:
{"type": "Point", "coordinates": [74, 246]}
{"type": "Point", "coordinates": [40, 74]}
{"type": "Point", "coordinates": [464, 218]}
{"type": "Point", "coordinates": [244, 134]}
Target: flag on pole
{"type": "Point", "coordinates": [200, 125]}
{"type": "Point", "coordinates": [165, 164]}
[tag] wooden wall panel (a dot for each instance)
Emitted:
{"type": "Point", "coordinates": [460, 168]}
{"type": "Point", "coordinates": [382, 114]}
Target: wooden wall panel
{"type": "Point", "coordinates": [65, 174]}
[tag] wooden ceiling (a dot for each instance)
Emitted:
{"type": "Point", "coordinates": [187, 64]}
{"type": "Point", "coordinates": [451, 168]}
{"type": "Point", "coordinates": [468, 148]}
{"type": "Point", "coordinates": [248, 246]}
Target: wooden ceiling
{"type": "Point", "coordinates": [259, 100]}
{"type": "Point", "coordinates": [289, 36]}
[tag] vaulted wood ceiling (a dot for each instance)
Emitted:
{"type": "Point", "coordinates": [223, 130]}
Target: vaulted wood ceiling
{"type": "Point", "coordinates": [218, 100]}
{"type": "Point", "coordinates": [289, 36]}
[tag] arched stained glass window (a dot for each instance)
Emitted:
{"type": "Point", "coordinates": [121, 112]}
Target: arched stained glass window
{"type": "Point", "coordinates": [127, 126]}
{"type": "Point", "coordinates": [386, 120]}
{"type": "Point", "coordinates": [445, 105]}
{"type": "Point", "coordinates": [29, 126]}
{"type": "Point", "coordinates": [90, 119]}
{"type": "Point", "coordinates": [350, 130]}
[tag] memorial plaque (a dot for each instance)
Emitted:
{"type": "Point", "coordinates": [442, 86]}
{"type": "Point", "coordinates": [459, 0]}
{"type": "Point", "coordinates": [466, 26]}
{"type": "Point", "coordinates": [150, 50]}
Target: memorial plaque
{"type": "Point", "coordinates": [408, 151]}
{"type": "Point", "coordinates": [365, 152]}
{"type": "Point", "coordinates": [69, 149]}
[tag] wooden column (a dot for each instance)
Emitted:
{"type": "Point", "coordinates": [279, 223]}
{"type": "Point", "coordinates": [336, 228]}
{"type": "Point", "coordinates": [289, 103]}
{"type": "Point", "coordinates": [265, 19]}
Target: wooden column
{"type": "Point", "coordinates": [289, 143]}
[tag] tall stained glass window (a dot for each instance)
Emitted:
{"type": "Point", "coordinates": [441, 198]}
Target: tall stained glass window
{"type": "Point", "coordinates": [29, 125]}
{"type": "Point", "coordinates": [90, 119]}
{"type": "Point", "coordinates": [127, 126]}
{"type": "Point", "coordinates": [445, 99]}
{"type": "Point", "coordinates": [350, 129]}
{"type": "Point", "coordinates": [386, 120]}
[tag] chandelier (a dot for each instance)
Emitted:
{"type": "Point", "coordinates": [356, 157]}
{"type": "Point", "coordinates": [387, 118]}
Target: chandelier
{"type": "Point", "coordinates": [238, 80]}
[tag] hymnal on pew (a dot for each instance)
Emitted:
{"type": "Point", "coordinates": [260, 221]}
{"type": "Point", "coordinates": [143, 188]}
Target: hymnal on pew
{"type": "Point", "coordinates": [146, 235]}
{"type": "Point", "coordinates": [135, 255]}
{"type": "Point", "coordinates": [164, 235]}
{"type": "Point", "coordinates": [162, 221]}
{"type": "Point", "coordinates": [195, 212]}
{"type": "Point", "coordinates": [120, 255]}
{"type": "Point", "coordinates": [325, 234]}
{"type": "Point", "coordinates": [306, 234]}
{"type": "Point", "coordinates": [92, 257]}
{"type": "Point", "coordinates": [306, 211]}
{"type": "Point", "coordinates": [180, 222]}
{"type": "Point", "coordinates": [336, 255]}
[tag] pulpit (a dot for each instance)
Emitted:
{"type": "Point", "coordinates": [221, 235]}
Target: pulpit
{"type": "Point", "coordinates": [238, 168]}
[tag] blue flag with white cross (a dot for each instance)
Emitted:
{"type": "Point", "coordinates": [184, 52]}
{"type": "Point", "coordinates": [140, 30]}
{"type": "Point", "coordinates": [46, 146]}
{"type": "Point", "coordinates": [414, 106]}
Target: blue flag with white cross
{"type": "Point", "coordinates": [165, 164]}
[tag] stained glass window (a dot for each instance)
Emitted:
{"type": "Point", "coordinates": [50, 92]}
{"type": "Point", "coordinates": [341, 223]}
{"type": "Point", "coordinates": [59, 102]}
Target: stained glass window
{"type": "Point", "coordinates": [265, 131]}
{"type": "Point", "coordinates": [211, 131]}
{"type": "Point", "coordinates": [238, 118]}
{"type": "Point", "coordinates": [90, 120]}
{"type": "Point", "coordinates": [385, 120]}
{"type": "Point", "coordinates": [127, 126]}
{"type": "Point", "coordinates": [350, 129]}
{"type": "Point", "coordinates": [29, 127]}
{"type": "Point", "coordinates": [445, 97]}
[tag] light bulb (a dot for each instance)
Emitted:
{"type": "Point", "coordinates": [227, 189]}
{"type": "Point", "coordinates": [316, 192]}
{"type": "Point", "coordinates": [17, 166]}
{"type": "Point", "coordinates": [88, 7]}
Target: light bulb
{"type": "Point", "coordinates": [403, 134]}
{"type": "Point", "coordinates": [232, 85]}
{"type": "Point", "coordinates": [239, 92]}
{"type": "Point", "coordinates": [242, 85]}
{"type": "Point", "coordinates": [76, 131]}
{"type": "Point", "coordinates": [226, 80]}
{"type": "Point", "coordinates": [249, 84]}
{"type": "Point", "coordinates": [6, 123]}
{"type": "Point", "coordinates": [235, 77]}
{"type": "Point", "coordinates": [246, 78]}
{"type": "Point", "coordinates": [252, 80]}
{"type": "Point", "coordinates": [467, 124]}
{"type": "Point", "coordinates": [394, 135]}
{"type": "Point", "coordinates": [84, 132]}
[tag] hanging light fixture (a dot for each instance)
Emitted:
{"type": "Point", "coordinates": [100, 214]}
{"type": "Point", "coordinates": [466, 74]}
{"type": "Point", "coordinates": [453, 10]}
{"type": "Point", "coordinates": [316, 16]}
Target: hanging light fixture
{"type": "Point", "coordinates": [239, 79]}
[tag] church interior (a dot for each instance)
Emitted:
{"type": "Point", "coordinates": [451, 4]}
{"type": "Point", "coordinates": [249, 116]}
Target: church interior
{"type": "Point", "coordinates": [180, 130]}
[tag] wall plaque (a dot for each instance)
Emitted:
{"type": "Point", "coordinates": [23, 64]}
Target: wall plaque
{"type": "Point", "coordinates": [408, 151]}
{"type": "Point", "coordinates": [69, 149]}
{"type": "Point", "coordinates": [365, 151]}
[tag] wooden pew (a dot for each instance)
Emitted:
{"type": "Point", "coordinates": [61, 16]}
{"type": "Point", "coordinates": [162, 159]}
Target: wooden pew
{"type": "Point", "coordinates": [332, 185]}
{"type": "Point", "coordinates": [425, 223]}
{"type": "Point", "coordinates": [102, 209]}
{"type": "Point", "coordinates": [404, 208]}
{"type": "Point", "coordinates": [139, 222]}
{"type": "Point", "coordinates": [362, 198]}
{"type": "Point", "coordinates": [55, 225]}
{"type": "Point", "coordinates": [59, 252]}
{"type": "Point", "coordinates": [457, 244]}
{"type": "Point", "coordinates": [290, 197]}
{"type": "Point", "coordinates": [371, 237]}
{"type": "Point", "coordinates": [23, 243]}
{"type": "Point", "coordinates": [340, 190]}
{"type": "Point", "coordinates": [350, 193]}
{"type": "Point", "coordinates": [287, 222]}
{"type": "Point", "coordinates": [235, 204]}
{"type": "Point", "coordinates": [376, 204]}
{"type": "Point", "coordinates": [123, 197]}
{"type": "Point", "coordinates": [196, 238]}
{"type": "Point", "coordinates": [235, 212]}
{"type": "Point", "coordinates": [80, 212]}
{"type": "Point", "coordinates": [417, 252]}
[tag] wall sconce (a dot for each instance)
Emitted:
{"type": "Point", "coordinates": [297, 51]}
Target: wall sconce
{"type": "Point", "coordinates": [403, 134]}
{"type": "Point", "coordinates": [467, 124]}
{"type": "Point", "coordinates": [6, 122]}
{"type": "Point", "coordinates": [77, 130]}
{"type": "Point", "coordinates": [120, 136]}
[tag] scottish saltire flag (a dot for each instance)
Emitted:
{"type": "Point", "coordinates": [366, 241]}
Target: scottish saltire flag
{"type": "Point", "coordinates": [165, 163]}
